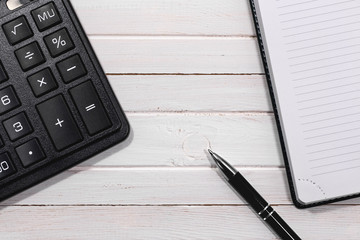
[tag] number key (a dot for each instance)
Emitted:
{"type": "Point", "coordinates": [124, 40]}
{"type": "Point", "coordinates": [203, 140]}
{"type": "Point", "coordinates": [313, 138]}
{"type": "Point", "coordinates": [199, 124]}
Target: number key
{"type": "Point", "coordinates": [6, 166]}
{"type": "Point", "coordinates": [17, 126]}
{"type": "Point", "coordinates": [8, 100]}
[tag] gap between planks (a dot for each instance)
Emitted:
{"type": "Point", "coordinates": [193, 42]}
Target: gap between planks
{"type": "Point", "coordinates": [168, 37]}
{"type": "Point", "coordinates": [203, 113]}
{"type": "Point", "coordinates": [185, 74]}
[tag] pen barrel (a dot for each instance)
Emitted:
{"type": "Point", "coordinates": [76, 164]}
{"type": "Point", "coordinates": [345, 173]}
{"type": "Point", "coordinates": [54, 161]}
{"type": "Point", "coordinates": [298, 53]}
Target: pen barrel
{"type": "Point", "coordinates": [280, 227]}
{"type": "Point", "coordinates": [251, 196]}
{"type": "Point", "coordinates": [262, 208]}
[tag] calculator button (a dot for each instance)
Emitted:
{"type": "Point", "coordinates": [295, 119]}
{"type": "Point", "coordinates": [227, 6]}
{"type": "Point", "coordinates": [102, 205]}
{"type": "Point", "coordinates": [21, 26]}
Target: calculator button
{"type": "Point", "coordinates": [59, 42]}
{"type": "Point", "coordinates": [30, 152]}
{"type": "Point", "coordinates": [8, 99]}
{"type": "Point", "coordinates": [90, 107]}
{"type": "Point", "coordinates": [42, 82]}
{"type": "Point", "coordinates": [71, 68]}
{"type": "Point", "coordinates": [17, 126]}
{"type": "Point", "coordinates": [46, 16]}
{"type": "Point", "coordinates": [3, 75]}
{"type": "Point", "coordinates": [6, 166]}
{"type": "Point", "coordinates": [59, 122]}
{"type": "Point", "coordinates": [17, 30]}
{"type": "Point", "coordinates": [30, 56]}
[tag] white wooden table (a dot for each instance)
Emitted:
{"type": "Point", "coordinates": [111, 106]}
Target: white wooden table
{"type": "Point", "coordinates": [189, 76]}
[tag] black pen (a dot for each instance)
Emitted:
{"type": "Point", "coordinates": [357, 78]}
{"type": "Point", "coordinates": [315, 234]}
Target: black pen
{"type": "Point", "coordinates": [252, 197]}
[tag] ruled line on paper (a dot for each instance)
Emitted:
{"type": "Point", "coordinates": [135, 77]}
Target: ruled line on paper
{"type": "Point", "coordinates": [328, 96]}
{"type": "Point", "coordinates": [330, 103]}
{"type": "Point", "coordinates": [326, 81]}
{"type": "Point", "coordinates": [334, 156]}
{"type": "Point", "coordinates": [324, 74]}
{"type": "Point", "coordinates": [329, 111]}
{"type": "Point", "coordinates": [322, 44]}
{"type": "Point", "coordinates": [326, 66]}
{"type": "Point", "coordinates": [330, 126]}
{"type": "Point", "coordinates": [323, 36]}
{"type": "Point", "coordinates": [322, 59]}
{"type": "Point", "coordinates": [335, 171]}
{"type": "Point", "coordinates": [336, 140]}
{"type": "Point", "coordinates": [336, 163]}
{"type": "Point", "coordinates": [332, 133]}
{"type": "Point", "coordinates": [296, 4]}
{"type": "Point", "coordinates": [323, 6]}
{"type": "Point", "coordinates": [319, 45]}
{"type": "Point", "coordinates": [321, 29]}
{"type": "Point", "coordinates": [334, 148]}
{"type": "Point", "coordinates": [322, 21]}
{"type": "Point", "coordinates": [317, 15]}
{"type": "Point", "coordinates": [325, 51]}
{"type": "Point", "coordinates": [326, 89]}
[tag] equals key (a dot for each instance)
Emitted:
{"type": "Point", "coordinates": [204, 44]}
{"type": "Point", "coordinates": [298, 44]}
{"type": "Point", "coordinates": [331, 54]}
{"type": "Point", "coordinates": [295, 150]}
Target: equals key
{"type": "Point", "coordinates": [90, 107]}
{"type": "Point", "coordinates": [71, 68]}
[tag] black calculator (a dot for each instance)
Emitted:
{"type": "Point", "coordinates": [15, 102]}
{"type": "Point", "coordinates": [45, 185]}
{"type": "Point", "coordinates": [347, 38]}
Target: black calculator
{"type": "Point", "coordinates": [56, 105]}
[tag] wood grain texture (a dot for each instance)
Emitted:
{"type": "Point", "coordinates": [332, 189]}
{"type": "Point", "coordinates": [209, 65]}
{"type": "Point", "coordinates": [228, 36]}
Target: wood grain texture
{"type": "Point", "coordinates": [220, 222]}
{"type": "Point", "coordinates": [192, 93]}
{"type": "Point", "coordinates": [180, 139]}
{"type": "Point", "coordinates": [152, 186]}
{"type": "Point", "coordinates": [148, 186]}
{"type": "Point", "coordinates": [189, 76]}
{"type": "Point", "coordinates": [178, 55]}
{"type": "Point", "coordinates": [165, 17]}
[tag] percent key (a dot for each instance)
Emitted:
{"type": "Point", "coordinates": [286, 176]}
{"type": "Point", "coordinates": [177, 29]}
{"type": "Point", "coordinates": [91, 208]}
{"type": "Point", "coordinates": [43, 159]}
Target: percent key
{"type": "Point", "coordinates": [59, 42]}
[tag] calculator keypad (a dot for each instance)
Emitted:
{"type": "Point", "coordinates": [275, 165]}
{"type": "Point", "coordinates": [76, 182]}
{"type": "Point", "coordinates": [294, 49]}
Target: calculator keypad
{"type": "Point", "coordinates": [56, 105]}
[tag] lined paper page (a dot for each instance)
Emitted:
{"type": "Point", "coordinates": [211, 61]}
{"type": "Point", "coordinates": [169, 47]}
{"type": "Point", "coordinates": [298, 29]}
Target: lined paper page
{"type": "Point", "coordinates": [313, 47]}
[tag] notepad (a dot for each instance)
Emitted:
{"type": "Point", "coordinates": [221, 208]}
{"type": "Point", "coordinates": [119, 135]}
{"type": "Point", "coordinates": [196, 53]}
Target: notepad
{"type": "Point", "coordinates": [312, 54]}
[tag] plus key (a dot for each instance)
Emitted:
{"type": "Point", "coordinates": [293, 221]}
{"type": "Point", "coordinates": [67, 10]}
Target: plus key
{"type": "Point", "coordinates": [59, 122]}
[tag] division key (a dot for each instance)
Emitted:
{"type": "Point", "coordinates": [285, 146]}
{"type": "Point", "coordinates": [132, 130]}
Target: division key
{"type": "Point", "coordinates": [59, 122]}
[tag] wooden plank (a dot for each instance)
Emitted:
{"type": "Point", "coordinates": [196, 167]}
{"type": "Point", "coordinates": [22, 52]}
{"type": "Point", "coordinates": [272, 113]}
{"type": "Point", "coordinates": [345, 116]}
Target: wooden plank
{"type": "Point", "coordinates": [185, 222]}
{"type": "Point", "coordinates": [179, 139]}
{"type": "Point", "coordinates": [225, 93]}
{"type": "Point", "coordinates": [163, 17]}
{"type": "Point", "coordinates": [152, 186]}
{"type": "Point", "coordinates": [186, 55]}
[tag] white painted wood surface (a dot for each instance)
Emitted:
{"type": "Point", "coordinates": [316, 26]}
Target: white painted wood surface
{"type": "Point", "coordinates": [189, 76]}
